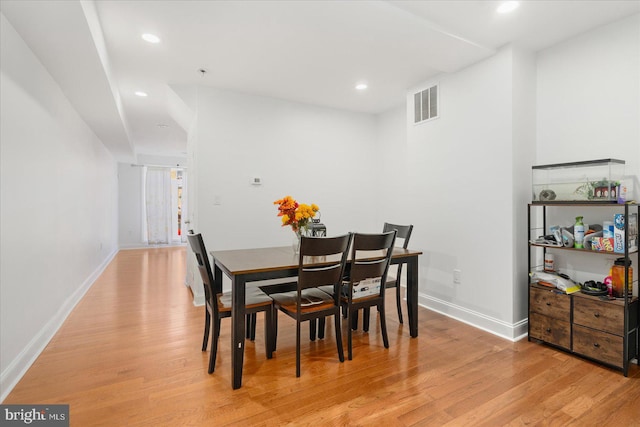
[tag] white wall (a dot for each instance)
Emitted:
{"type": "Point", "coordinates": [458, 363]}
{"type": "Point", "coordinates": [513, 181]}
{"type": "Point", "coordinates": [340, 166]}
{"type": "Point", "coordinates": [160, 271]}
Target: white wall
{"type": "Point", "coordinates": [589, 97]}
{"type": "Point", "coordinates": [58, 207]}
{"type": "Point", "coordinates": [391, 132]}
{"type": "Point", "coordinates": [130, 206]}
{"type": "Point", "coordinates": [588, 103]}
{"type": "Point", "coordinates": [315, 154]}
{"type": "Point", "coordinates": [463, 193]}
{"type": "Point", "coordinates": [522, 158]}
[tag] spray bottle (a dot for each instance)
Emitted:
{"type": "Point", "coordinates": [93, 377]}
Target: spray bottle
{"type": "Point", "coordinates": [578, 233]}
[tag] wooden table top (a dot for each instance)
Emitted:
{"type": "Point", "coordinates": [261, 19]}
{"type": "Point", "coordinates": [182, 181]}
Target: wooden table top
{"type": "Point", "coordinates": [245, 261]}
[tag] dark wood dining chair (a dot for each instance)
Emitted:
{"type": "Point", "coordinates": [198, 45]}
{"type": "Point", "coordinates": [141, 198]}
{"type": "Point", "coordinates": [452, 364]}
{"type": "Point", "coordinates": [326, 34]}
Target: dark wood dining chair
{"type": "Point", "coordinates": [368, 266]}
{"type": "Point", "coordinates": [394, 277]}
{"type": "Point", "coordinates": [218, 304]}
{"type": "Point", "coordinates": [395, 274]}
{"type": "Point", "coordinates": [321, 262]}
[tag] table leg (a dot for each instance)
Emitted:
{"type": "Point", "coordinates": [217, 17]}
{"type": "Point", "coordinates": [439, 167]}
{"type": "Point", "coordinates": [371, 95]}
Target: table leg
{"type": "Point", "coordinates": [237, 330]}
{"type": "Point", "coordinates": [412, 295]}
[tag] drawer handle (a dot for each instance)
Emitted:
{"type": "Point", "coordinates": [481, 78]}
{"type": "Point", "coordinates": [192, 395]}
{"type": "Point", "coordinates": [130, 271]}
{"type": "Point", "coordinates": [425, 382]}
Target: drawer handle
{"type": "Point", "coordinates": [596, 314]}
{"type": "Point", "coordinates": [548, 303]}
{"type": "Point", "coordinates": [548, 329]}
{"type": "Point", "coordinates": [596, 345]}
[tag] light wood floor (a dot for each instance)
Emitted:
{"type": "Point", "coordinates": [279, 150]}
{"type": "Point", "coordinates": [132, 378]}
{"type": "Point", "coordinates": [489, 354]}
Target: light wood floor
{"type": "Point", "coordinates": [129, 355]}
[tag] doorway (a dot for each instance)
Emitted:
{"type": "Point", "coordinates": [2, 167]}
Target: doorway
{"type": "Point", "coordinates": [165, 205]}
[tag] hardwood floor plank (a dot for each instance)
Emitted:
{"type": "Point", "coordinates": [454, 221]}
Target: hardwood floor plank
{"type": "Point", "coordinates": [129, 354]}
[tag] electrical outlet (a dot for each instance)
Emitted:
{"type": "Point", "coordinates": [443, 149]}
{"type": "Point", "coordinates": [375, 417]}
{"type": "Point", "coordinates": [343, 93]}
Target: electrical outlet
{"type": "Point", "coordinates": [457, 276]}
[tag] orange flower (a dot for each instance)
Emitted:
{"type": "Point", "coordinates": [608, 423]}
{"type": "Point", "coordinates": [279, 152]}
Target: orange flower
{"type": "Point", "coordinates": [295, 214]}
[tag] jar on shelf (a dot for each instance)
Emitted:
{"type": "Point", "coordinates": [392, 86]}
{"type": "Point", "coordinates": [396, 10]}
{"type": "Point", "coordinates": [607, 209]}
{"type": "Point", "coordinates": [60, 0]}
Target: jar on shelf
{"type": "Point", "coordinates": [617, 277]}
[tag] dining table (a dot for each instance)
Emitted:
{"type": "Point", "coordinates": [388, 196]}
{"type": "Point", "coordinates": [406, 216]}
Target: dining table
{"type": "Point", "coordinates": [260, 264]}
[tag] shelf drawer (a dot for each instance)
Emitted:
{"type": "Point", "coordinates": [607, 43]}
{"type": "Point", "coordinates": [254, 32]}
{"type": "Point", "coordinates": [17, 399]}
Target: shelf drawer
{"type": "Point", "coordinates": [550, 303]}
{"type": "Point", "coordinates": [607, 348]}
{"type": "Point", "coordinates": [550, 330]}
{"type": "Point", "coordinates": [599, 315]}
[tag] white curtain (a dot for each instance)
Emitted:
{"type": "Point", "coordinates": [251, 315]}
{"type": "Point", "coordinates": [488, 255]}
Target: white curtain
{"type": "Point", "coordinates": [158, 205]}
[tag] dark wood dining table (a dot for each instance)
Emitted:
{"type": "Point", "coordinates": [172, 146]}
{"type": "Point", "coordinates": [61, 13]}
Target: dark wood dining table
{"type": "Point", "coordinates": [249, 265]}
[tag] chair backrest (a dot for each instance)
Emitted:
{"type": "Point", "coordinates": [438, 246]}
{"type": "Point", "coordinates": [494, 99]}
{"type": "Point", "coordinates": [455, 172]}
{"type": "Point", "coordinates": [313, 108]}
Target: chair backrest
{"type": "Point", "coordinates": [204, 267]}
{"type": "Point", "coordinates": [404, 232]}
{"type": "Point", "coordinates": [370, 256]}
{"type": "Point", "coordinates": [331, 255]}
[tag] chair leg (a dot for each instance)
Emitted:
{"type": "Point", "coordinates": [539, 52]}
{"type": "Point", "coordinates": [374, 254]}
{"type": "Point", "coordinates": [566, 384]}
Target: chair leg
{"type": "Point", "coordinates": [252, 336]}
{"type": "Point", "coordinates": [353, 319]}
{"type": "Point", "coordinates": [268, 332]}
{"type": "Point", "coordinates": [297, 348]}
{"type": "Point", "coordinates": [383, 325]}
{"type": "Point", "coordinates": [339, 336]}
{"type": "Point", "coordinates": [207, 326]}
{"type": "Point", "coordinates": [321, 326]}
{"type": "Point", "coordinates": [214, 345]}
{"type": "Point", "coordinates": [274, 323]}
{"type": "Point", "coordinates": [398, 302]}
{"type": "Point", "coordinates": [349, 332]}
{"type": "Point", "coordinates": [366, 314]}
{"type": "Point", "coordinates": [312, 329]}
{"type": "Point", "coordinates": [250, 326]}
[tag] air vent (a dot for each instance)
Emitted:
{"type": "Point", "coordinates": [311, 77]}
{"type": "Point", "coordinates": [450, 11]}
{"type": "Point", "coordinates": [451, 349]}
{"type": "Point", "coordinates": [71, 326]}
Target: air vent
{"type": "Point", "coordinates": [425, 104]}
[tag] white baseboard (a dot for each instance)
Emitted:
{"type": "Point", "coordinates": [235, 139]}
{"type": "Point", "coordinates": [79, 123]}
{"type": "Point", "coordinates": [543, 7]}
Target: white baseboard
{"type": "Point", "coordinates": [198, 300]}
{"type": "Point", "coordinates": [509, 331]}
{"type": "Point", "coordinates": [19, 366]}
{"type": "Point", "coordinates": [126, 246]}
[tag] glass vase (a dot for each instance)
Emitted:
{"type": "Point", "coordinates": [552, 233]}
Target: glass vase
{"type": "Point", "coordinates": [295, 243]}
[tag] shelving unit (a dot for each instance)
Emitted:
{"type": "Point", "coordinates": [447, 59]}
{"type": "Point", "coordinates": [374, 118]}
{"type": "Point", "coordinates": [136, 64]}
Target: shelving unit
{"type": "Point", "coordinates": [605, 331]}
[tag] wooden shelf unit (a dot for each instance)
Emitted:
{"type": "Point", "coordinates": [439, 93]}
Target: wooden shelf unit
{"type": "Point", "coordinates": [605, 331]}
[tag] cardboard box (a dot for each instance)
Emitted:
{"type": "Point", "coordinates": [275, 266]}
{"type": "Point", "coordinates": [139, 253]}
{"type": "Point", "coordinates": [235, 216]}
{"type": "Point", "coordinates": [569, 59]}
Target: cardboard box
{"type": "Point", "coordinates": [602, 244]}
{"type": "Point", "coordinates": [363, 288]}
{"type": "Point", "coordinates": [618, 233]}
{"type": "Point", "coordinates": [619, 238]}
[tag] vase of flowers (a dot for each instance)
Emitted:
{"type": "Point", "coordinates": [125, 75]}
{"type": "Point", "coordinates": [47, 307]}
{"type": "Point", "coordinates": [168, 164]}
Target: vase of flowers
{"type": "Point", "coordinates": [297, 216]}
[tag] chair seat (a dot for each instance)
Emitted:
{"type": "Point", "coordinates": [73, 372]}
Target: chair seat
{"type": "Point", "coordinates": [313, 299]}
{"type": "Point", "coordinates": [327, 288]}
{"type": "Point", "coordinates": [254, 298]}
{"type": "Point", "coordinates": [345, 299]}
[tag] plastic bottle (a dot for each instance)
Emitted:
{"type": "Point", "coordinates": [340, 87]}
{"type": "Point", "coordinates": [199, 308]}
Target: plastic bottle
{"type": "Point", "coordinates": [578, 233]}
{"type": "Point", "coordinates": [617, 277]}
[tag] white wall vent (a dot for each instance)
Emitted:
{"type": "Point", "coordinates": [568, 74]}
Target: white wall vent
{"type": "Point", "coordinates": [425, 105]}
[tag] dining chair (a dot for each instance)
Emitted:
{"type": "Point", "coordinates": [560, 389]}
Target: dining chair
{"type": "Point", "coordinates": [394, 276]}
{"type": "Point", "coordinates": [218, 304]}
{"type": "Point", "coordinates": [395, 272]}
{"type": "Point", "coordinates": [364, 288]}
{"type": "Point", "coordinates": [321, 262]}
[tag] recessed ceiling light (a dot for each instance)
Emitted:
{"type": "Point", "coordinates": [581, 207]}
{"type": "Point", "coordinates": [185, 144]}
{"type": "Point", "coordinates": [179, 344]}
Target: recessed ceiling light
{"type": "Point", "coordinates": [163, 125]}
{"type": "Point", "coordinates": [140, 93]}
{"type": "Point", "coordinates": [151, 38]}
{"type": "Point", "coordinates": [508, 6]}
{"type": "Point", "coordinates": [361, 86]}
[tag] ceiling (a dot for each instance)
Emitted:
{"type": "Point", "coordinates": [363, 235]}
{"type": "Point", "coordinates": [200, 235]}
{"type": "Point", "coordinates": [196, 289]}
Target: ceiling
{"type": "Point", "coordinates": [305, 51]}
